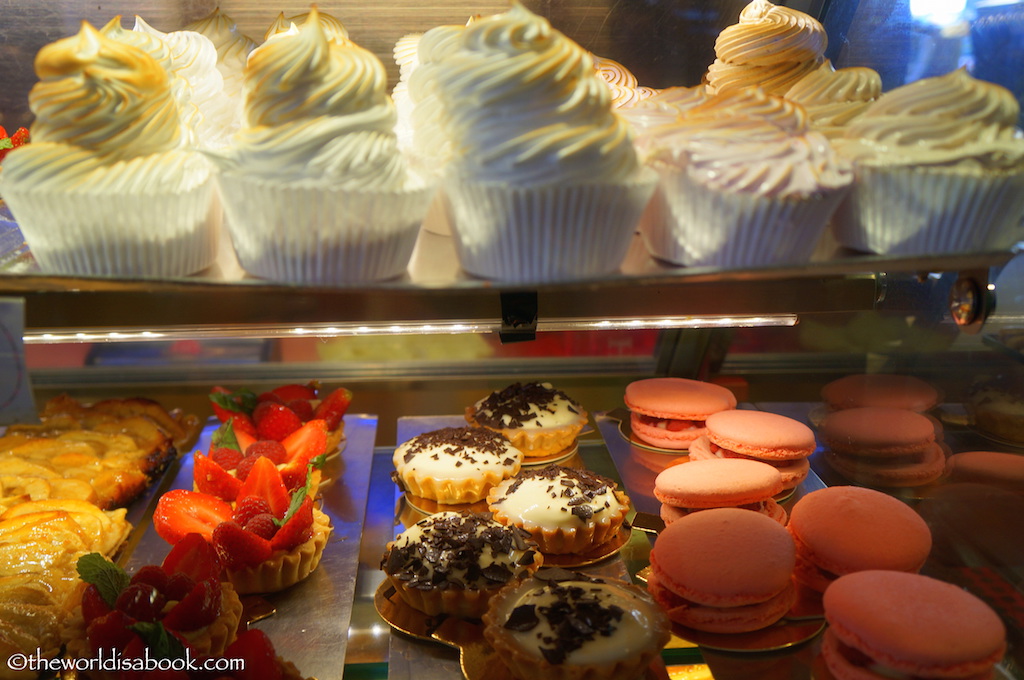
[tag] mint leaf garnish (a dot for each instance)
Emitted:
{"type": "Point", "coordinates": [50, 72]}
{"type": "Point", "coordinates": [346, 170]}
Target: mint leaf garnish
{"type": "Point", "coordinates": [108, 578]}
{"type": "Point", "coordinates": [300, 494]}
{"type": "Point", "coordinates": [162, 644]}
{"type": "Point", "coordinates": [224, 438]}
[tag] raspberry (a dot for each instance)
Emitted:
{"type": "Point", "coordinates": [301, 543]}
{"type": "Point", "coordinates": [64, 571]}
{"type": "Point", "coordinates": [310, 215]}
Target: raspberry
{"type": "Point", "coordinates": [262, 525]}
{"type": "Point", "coordinates": [268, 448]}
{"type": "Point", "coordinates": [249, 507]}
{"type": "Point", "coordinates": [153, 575]}
{"type": "Point", "coordinates": [141, 601]}
{"type": "Point", "coordinates": [226, 458]}
{"type": "Point", "coordinates": [93, 605]}
{"type": "Point", "coordinates": [178, 586]}
{"type": "Point", "coordinates": [245, 467]}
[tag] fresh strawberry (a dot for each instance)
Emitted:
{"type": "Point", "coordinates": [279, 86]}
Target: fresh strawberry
{"type": "Point", "coordinates": [302, 408]}
{"type": "Point", "coordinates": [265, 481]}
{"type": "Point", "coordinates": [239, 548]}
{"type": "Point", "coordinates": [192, 556]}
{"type": "Point", "coordinates": [243, 425]}
{"type": "Point", "coordinates": [181, 512]}
{"type": "Point", "coordinates": [198, 608]}
{"type": "Point", "coordinates": [255, 648]}
{"type": "Point", "coordinates": [268, 448]}
{"type": "Point", "coordinates": [248, 507]}
{"type": "Point", "coordinates": [297, 529]}
{"type": "Point", "coordinates": [110, 631]}
{"type": "Point", "coordinates": [210, 478]}
{"type": "Point", "coordinates": [262, 525]}
{"type": "Point", "coordinates": [269, 396]}
{"type": "Point", "coordinates": [333, 407]}
{"type": "Point", "coordinates": [295, 391]}
{"type": "Point", "coordinates": [226, 458]}
{"type": "Point", "coordinates": [306, 443]}
{"type": "Point", "coordinates": [19, 137]}
{"type": "Point", "coordinates": [275, 421]}
{"type": "Point", "coordinates": [93, 605]}
{"type": "Point", "coordinates": [227, 403]}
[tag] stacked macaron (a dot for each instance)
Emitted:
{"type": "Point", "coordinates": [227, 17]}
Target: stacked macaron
{"type": "Point", "coordinates": [881, 446]}
{"type": "Point", "coordinates": [782, 442]}
{"type": "Point", "coordinates": [724, 570]}
{"type": "Point", "coordinates": [880, 389]}
{"type": "Point", "coordinates": [729, 483]}
{"type": "Point", "coordinates": [670, 412]}
{"type": "Point", "coordinates": [890, 624]}
{"type": "Point", "coordinates": [994, 468]}
{"type": "Point", "coordinates": [840, 530]}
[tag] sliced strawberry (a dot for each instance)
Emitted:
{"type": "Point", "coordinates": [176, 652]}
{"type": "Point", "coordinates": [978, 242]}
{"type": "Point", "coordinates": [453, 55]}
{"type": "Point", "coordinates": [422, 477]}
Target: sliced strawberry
{"type": "Point", "coordinates": [292, 391]}
{"type": "Point", "coordinates": [333, 407]}
{"type": "Point", "coordinates": [197, 609]}
{"type": "Point", "coordinates": [243, 425]}
{"type": "Point", "coordinates": [210, 478]}
{"type": "Point", "coordinates": [20, 137]}
{"type": "Point", "coordinates": [302, 408]}
{"type": "Point", "coordinates": [93, 605]}
{"type": "Point", "coordinates": [306, 443]}
{"type": "Point", "coordinates": [238, 547]}
{"type": "Point", "coordinates": [260, 658]}
{"type": "Point", "coordinates": [265, 481]}
{"type": "Point", "coordinates": [275, 421]}
{"type": "Point", "coordinates": [181, 512]}
{"type": "Point", "coordinates": [297, 530]}
{"type": "Point", "coordinates": [194, 557]}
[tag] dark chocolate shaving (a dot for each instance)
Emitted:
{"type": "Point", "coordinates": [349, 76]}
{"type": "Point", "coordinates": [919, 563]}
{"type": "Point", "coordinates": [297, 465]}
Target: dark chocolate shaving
{"type": "Point", "coordinates": [511, 407]}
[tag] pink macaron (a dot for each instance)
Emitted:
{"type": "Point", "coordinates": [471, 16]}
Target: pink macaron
{"type": "Point", "coordinates": [882, 446]}
{"type": "Point", "coordinates": [880, 389]}
{"type": "Point", "coordinates": [844, 529]}
{"type": "Point", "coordinates": [891, 624]}
{"type": "Point", "coordinates": [670, 412]}
{"type": "Point", "coordinates": [994, 468]}
{"type": "Point", "coordinates": [720, 483]}
{"type": "Point", "coordinates": [723, 570]}
{"type": "Point", "coordinates": [778, 440]}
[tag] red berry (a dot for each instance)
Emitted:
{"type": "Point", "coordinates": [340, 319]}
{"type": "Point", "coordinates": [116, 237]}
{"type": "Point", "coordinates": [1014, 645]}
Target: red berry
{"type": "Point", "coordinates": [268, 448]}
{"type": "Point", "coordinates": [269, 396]}
{"type": "Point", "coordinates": [297, 530]}
{"type": "Point", "coordinates": [141, 601]}
{"type": "Point", "coordinates": [262, 525]}
{"type": "Point", "coordinates": [93, 604]}
{"type": "Point", "coordinates": [333, 407]}
{"type": "Point", "coordinates": [306, 443]}
{"type": "Point", "coordinates": [110, 631]}
{"type": "Point", "coordinates": [210, 478]}
{"type": "Point", "coordinates": [275, 421]}
{"type": "Point", "coordinates": [153, 575]}
{"type": "Point", "coordinates": [302, 408]}
{"type": "Point", "coordinates": [197, 609]}
{"type": "Point", "coordinates": [244, 468]}
{"type": "Point", "coordinates": [239, 548]}
{"type": "Point", "coordinates": [181, 512]}
{"type": "Point", "coordinates": [179, 586]}
{"type": "Point", "coordinates": [19, 137]}
{"type": "Point", "coordinates": [243, 427]}
{"type": "Point", "coordinates": [260, 658]}
{"type": "Point", "coordinates": [295, 391]}
{"type": "Point", "coordinates": [226, 458]}
{"type": "Point", "coordinates": [264, 480]}
{"type": "Point", "coordinates": [248, 507]}
{"type": "Point", "coordinates": [224, 403]}
{"type": "Point", "coordinates": [194, 557]}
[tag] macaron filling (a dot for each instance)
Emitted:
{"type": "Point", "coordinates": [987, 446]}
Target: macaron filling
{"type": "Point", "coordinates": [669, 424]}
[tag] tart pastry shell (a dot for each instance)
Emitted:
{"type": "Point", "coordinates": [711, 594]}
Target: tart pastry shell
{"type": "Point", "coordinates": [285, 569]}
{"type": "Point", "coordinates": [561, 541]}
{"type": "Point", "coordinates": [536, 442]}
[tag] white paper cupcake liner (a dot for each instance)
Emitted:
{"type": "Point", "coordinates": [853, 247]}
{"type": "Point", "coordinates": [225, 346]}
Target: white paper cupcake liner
{"type": "Point", "coordinates": [545, 234]}
{"type": "Point", "coordinates": [921, 211]}
{"type": "Point", "coordinates": [316, 235]}
{"type": "Point", "coordinates": [694, 225]}
{"type": "Point", "coordinates": [149, 236]}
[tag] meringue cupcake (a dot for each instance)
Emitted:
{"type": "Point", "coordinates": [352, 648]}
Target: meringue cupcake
{"type": "Point", "coordinates": [744, 182]}
{"type": "Point", "coordinates": [939, 169]}
{"type": "Point", "coordinates": [544, 184]}
{"type": "Point", "coordinates": [108, 185]}
{"type": "Point", "coordinates": [315, 189]}
{"type": "Point", "coordinates": [566, 511]}
{"type": "Point", "coordinates": [771, 47]}
{"type": "Point", "coordinates": [833, 98]}
{"type": "Point", "coordinates": [454, 563]}
{"type": "Point", "coordinates": [233, 48]}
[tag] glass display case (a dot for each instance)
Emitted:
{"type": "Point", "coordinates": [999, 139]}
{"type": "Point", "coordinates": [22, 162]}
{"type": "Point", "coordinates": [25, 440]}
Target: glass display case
{"type": "Point", "coordinates": [417, 350]}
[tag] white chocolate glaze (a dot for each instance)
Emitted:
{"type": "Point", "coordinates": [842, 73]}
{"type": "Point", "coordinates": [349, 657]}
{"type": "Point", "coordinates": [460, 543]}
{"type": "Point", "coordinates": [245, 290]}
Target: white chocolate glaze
{"type": "Point", "coordinates": [530, 406]}
{"type": "Point", "coordinates": [539, 498]}
{"type": "Point", "coordinates": [458, 453]}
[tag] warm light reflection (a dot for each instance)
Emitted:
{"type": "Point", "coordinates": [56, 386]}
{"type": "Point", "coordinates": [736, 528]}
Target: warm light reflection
{"type": "Point", "coordinates": [434, 328]}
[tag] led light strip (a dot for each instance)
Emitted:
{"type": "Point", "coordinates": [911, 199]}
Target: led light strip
{"type": "Point", "coordinates": [416, 328]}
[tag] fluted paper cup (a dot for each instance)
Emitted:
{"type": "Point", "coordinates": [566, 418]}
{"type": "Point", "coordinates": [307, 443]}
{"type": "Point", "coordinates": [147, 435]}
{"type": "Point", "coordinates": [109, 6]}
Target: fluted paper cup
{"type": "Point", "coordinates": [545, 233]}
{"type": "Point", "coordinates": [930, 211]}
{"type": "Point", "coordinates": [695, 225]}
{"type": "Point", "coordinates": [110, 234]}
{"type": "Point", "coordinates": [322, 236]}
